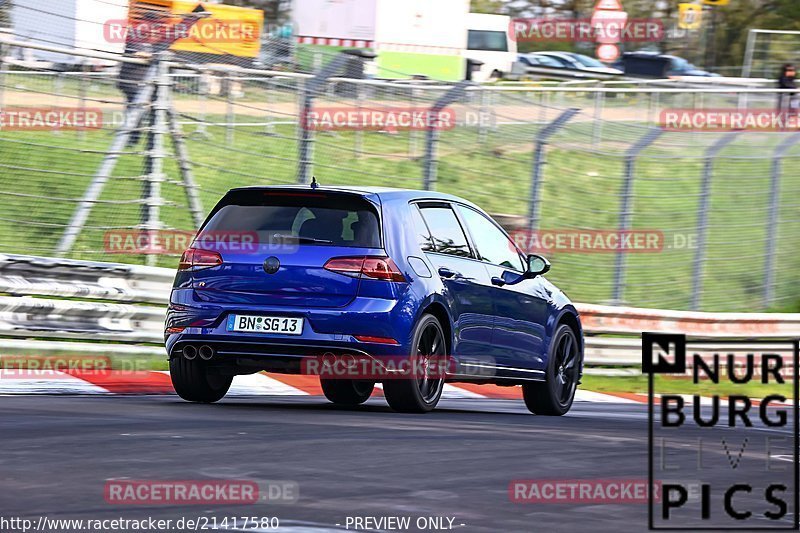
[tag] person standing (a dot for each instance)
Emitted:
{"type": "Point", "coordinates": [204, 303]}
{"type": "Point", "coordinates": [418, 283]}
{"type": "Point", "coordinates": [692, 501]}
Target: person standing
{"type": "Point", "coordinates": [132, 75]}
{"type": "Point", "coordinates": [787, 101]}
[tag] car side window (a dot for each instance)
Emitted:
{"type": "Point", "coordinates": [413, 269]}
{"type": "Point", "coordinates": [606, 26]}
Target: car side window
{"type": "Point", "coordinates": [493, 245]}
{"type": "Point", "coordinates": [421, 231]}
{"type": "Point", "coordinates": [448, 236]}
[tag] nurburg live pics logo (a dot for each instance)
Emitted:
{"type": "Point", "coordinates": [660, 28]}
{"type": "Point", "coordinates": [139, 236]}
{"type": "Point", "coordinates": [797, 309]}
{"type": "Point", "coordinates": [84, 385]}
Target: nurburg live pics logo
{"type": "Point", "coordinates": [718, 458]}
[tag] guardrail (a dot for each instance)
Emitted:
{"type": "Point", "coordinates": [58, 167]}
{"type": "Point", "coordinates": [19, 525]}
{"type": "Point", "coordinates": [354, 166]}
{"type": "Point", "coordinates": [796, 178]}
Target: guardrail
{"type": "Point", "coordinates": [62, 300]}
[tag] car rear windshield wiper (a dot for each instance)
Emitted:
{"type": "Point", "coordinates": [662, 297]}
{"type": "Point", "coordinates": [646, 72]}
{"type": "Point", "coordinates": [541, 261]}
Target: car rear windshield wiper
{"type": "Point", "coordinates": [298, 238]}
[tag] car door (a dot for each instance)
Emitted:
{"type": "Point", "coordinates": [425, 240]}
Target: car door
{"type": "Point", "coordinates": [466, 281]}
{"type": "Point", "coordinates": [520, 309]}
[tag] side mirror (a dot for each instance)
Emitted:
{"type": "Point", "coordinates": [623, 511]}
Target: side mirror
{"type": "Point", "coordinates": [537, 265]}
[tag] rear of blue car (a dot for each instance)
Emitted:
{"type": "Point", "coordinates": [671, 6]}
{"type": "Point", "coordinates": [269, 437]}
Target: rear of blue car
{"type": "Point", "coordinates": [405, 288]}
{"type": "Point", "coordinates": [277, 276]}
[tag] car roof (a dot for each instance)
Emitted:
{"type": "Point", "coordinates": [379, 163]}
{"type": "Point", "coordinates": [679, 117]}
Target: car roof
{"type": "Point", "coordinates": [551, 53]}
{"type": "Point", "coordinates": [382, 193]}
{"type": "Point", "coordinates": [643, 53]}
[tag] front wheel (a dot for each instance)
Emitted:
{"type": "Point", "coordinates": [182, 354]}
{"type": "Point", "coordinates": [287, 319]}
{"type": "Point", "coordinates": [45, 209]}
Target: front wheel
{"type": "Point", "coordinates": [420, 392]}
{"type": "Point", "coordinates": [555, 394]}
{"type": "Point", "coordinates": [194, 383]}
{"type": "Point", "coordinates": [346, 391]}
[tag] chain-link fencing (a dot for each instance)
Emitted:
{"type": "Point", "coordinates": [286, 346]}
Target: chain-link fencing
{"type": "Point", "coordinates": [571, 171]}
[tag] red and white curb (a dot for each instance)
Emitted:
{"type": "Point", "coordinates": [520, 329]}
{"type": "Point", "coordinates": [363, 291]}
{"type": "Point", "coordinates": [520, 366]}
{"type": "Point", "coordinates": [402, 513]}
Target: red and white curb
{"type": "Point", "coordinates": [14, 382]}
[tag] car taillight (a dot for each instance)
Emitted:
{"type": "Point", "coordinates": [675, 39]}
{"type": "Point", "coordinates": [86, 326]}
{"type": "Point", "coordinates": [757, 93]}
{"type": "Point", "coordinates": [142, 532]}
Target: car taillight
{"type": "Point", "coordinates": [382, 268]}
{"type": "Point", "coordinates": [197, 259]}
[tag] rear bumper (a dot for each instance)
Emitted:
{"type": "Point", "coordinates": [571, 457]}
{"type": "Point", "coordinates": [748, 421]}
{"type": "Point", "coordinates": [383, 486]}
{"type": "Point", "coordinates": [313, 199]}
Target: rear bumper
{"type": "Point", "coordinates": [325, 329]}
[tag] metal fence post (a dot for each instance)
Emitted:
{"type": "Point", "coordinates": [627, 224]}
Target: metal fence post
{"type": "Point", "coordinates": [650, 108]}
{"type": "Point", "coordinates": [597, 126]}
{"type": "Point", "coordinates": [155, 157]}
{"type": "Point", "coordinates": [413, 136]}
{"type": "Point", "coordinates": [534, 210]}
{"type": "Point", "coordinates": [484, 111]}
{"type": "Point", "coordinates": [702, 216]}
{"type": "Point", "coordinates": [625, 213]}
{"type": "Point", "coordinates": [133, 117]}
{"type": "Point", "coordinates": [230, 116]}
{"type": "Point", "coordinates": [203, 89]}
{"type": "Point", "coordinates": [82, 90]}
{"type": "Point", "coordinates": [3, 52]}
{"type": "Point", "coordinates": [773, 217]}
{"type": "Point", "coordinates": [306, 143]}
{"type": "Point", "coordinates": [358, 135]}
{"type": "Point", "coordinates": [270, 127]}
{"type": "Point", "coordinates": [432, 132]}
{"type": "Point", "coordinates": [182, 155]}
{"type": "Point", "coordinates": [311, 86]}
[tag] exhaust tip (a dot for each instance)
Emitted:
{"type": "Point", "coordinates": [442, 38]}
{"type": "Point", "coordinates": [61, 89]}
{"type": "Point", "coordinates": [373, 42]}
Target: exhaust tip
{"type": "Point", "coordinates": [189, 352]}
{"type": "Point", "coordinates": [206, 352]}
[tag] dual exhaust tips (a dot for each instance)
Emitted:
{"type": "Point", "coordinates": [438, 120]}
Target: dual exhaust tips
{"type": "Point", "coordinates": [205, 352]}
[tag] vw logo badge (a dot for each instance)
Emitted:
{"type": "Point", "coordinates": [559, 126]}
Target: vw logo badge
{"type": "Point", "coordinates": [271, 265]}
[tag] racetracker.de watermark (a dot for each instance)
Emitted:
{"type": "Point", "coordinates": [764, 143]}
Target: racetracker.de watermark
{"type": "Point", "coordinates": [63, 366]}
{"type": "Point", "coordinates": [356, 366]}
{"type": "Point", "coordinates": [390, 119]}
{"type": "Point", "coordinates": [175, 242]}
{"type": "Point", "coordinates": [50, 118]}
{"type": "Point", "coordinates": [167, 31]}
{"type": "Point", "coordinates": [578, 491]}
{"type": "Point", "coordinates": [200, 492]}
{"type": "Point", "coordinates": [729, 120]}
{"type": "Point", "coordinates": [561, 30]}
{"type": "Point", "coordinates": [589, 241]}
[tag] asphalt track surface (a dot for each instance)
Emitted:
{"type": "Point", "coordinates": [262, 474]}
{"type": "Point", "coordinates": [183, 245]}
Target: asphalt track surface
{"type": "Point", "coordinates": [59, 451]}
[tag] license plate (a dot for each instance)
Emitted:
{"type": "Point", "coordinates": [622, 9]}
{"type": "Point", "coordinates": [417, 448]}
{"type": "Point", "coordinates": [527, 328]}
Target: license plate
{"type": "Point", "coordinates": [266, 324]}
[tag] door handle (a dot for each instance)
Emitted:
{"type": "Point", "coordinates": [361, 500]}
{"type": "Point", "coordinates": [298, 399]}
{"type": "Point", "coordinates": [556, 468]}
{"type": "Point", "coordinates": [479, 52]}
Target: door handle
{"type": "Point", "coordinates": [447, 273]}
{"type": "Point", "coordinates": [498, 281]}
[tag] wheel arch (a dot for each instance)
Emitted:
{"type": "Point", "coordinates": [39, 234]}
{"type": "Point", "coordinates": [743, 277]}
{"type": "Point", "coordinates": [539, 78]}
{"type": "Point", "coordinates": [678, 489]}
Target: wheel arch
{"type": "Point", "coordinates": [570, 318]}
{"type": "Point", "coordinates": [438, 310]}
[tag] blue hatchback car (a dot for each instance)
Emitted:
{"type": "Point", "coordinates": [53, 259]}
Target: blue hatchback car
{"type": "Point", "coordinates": [280, 276]}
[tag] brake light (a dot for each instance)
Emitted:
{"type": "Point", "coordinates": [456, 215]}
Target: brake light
{"type": "Point", "coordinates": [378, 268]}
{"type": "Point", "coordinates": [196, 259]}
{"type": "Point", "coordinates": [382, 268]}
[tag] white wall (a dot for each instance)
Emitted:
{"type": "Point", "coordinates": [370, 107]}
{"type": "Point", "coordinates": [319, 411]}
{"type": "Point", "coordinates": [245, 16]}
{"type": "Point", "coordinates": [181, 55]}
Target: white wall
{"type": "Point", "coordinates": [338, 19]}
{"type": "Point", "coordinates": [88, 32]}
{"type": "Point", "coordinates": [436, 23]}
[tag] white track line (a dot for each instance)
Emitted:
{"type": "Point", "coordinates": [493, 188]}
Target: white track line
{"type": "Point", "coordinates": [259, 385]}
{"type": "Point", "coordinates": [44, 382]}
{"type": "Point", "coordinates": [598, 397]}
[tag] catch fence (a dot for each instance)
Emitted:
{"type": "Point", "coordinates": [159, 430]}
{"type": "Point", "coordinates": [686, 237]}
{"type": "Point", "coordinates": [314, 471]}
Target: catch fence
{"type": "Point", "coordinates": [718, 211]}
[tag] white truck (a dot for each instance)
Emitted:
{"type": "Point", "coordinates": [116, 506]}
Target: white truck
{"type": "Point", "coordinates": [488, 41]}
{"type": "Point", "coordinates": [411, 37]}
{"type": "Point", "coordinates": [76, 24]}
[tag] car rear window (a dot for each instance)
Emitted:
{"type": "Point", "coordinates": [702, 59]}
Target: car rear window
{"type": "Point", "coordinates": [312, 219]}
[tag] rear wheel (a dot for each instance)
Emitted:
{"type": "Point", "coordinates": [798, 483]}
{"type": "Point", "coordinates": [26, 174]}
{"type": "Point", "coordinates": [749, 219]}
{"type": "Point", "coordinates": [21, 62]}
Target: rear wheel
{"type": "Point", "coordinates": [194, 383]}
{"type": "Point", "coordinates": [346, 391]}
{"type": "Point", "coordinates": [420, 393]}
{"type": "Point", "coordinates": [555, 394]}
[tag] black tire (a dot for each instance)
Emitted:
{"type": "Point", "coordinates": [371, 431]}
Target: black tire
{"type": "Point", "coordinates": [347, 391]}
{"type": "Point", "coordinates": [554, 395]}
{"type": "Point", "coordinates": [194, 383]}
{"type": "Point", "coordinates": [419, 394]}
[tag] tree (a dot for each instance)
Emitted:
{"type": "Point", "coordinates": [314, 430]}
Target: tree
{"type": "Point", "coordinates": [495, 7]}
